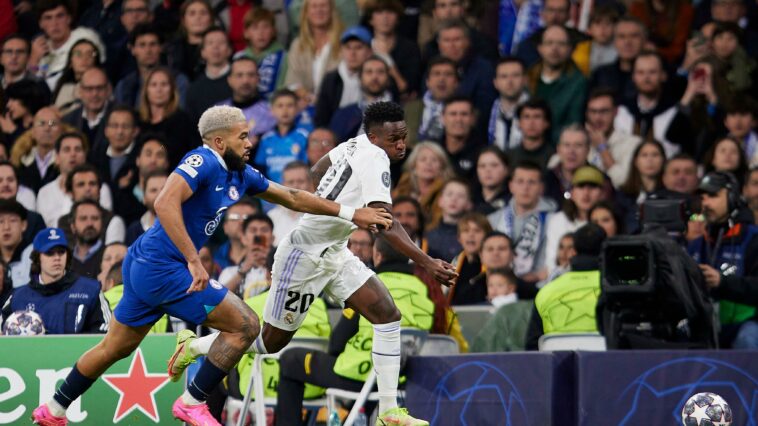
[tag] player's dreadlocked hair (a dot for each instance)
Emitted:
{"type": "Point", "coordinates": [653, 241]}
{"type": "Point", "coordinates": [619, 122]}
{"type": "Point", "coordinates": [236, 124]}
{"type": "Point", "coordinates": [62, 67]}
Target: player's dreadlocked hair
{"type": "Point", "coordinates": [379, 113]}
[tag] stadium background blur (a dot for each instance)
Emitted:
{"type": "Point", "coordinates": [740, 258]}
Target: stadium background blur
{"type": "Point", "coordinates": [529, 118]}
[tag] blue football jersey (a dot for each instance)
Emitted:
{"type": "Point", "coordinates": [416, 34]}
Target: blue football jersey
{"type": "Point", "coordinates": [214, 189]}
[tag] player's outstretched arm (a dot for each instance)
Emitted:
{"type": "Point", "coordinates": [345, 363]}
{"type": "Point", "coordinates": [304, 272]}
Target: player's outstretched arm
{"type": "Point", "coordinates": [168, 207]}
{"type": "Point", "coordinates": [442, 271]}
{"type": "Point", "coordinates": [303, 201]}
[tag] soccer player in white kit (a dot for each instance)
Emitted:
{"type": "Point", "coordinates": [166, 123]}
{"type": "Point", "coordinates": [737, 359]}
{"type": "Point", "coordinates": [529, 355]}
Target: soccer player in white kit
{"type": "Point", "coordinates": [314, 257]}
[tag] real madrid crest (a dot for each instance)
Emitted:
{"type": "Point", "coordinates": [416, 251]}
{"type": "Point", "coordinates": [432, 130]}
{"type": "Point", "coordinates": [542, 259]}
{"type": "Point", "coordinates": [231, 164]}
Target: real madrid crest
{"type": "Point", "coordinates": [289, 318]}
{"type": "Point", "coordinates": [233, 193]}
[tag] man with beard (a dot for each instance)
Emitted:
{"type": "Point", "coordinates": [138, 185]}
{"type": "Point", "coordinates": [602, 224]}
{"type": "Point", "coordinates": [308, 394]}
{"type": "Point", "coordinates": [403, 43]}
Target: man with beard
{"type": "Point", "coordinates": [728, 258]}
{"type": "Point", "coordinates": [129, 191]}
{"type": "Point", "coordinates": [243, 80]}
{"type": "Point", "coordinates": [375, 79]}
{"type": "Point", "coordinates": [315, 257]}
{"type": "Point", "coordinates": [86, 228]}
{"type": "Point", "coordinates": [510, 82]}
{"type": "Point", "coordinates": [557, 79]}
{"type": "Point", "coordinates": [163, 273]}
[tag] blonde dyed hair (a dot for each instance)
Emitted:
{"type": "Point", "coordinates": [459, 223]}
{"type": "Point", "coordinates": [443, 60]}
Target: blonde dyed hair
{"type": "Point", "coordinates": [307, 42]}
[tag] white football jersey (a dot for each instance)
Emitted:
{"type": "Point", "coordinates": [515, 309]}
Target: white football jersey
{"type": "Point", "coordinates": [359, 175]}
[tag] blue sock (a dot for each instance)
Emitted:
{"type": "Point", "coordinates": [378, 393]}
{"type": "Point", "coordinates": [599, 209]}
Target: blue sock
{"type": "Point", "coordinates": [206, 379]}
{"type": "Point", "coordinates": [73, 387]}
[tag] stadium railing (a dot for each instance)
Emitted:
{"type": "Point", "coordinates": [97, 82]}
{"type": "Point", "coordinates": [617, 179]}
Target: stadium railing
{"type": "Point", "coordinates": [412, 341]}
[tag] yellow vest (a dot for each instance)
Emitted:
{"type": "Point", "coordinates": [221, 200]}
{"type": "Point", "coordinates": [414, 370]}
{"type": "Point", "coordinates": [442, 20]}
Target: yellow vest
{"type": "Point", "coordinates": [114, 295]}
{"type": "Point", "coordinates": [417, 310]}
{"type": "Point", "coordinates": [316, 324]}
{"type": "Point", "coordinates": [567, 304]}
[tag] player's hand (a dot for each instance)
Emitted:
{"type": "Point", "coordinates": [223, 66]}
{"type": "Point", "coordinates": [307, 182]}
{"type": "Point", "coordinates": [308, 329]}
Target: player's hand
{"type": "Point", "coordinates": [368, 216]}
{"type": "Point", "coordinates": [712, 276]}
{"type": "Point", "coordinates": [443, 272]}
{"type": "Point", "coordinates": [199, 276]}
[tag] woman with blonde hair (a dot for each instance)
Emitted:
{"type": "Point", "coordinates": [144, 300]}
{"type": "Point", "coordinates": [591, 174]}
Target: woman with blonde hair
{"type": "Point", "coordinates": [159, 113]}
{"type": "Point", "coordinates": [316, 50]}
{"type": "Point", "coordinates": [426, 170]}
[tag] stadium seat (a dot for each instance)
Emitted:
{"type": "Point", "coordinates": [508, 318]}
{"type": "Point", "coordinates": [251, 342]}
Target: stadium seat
{"type": "Point", "coordinates": [471, 319]}
{"type": "Point", "coordinates": [571, 342]}
{"type": "Point", "coordinates": [438, 345]}
{"type": "Point", "coordinates": [412, 341]}
{"type": "Point", "coordinates": [256, 379]}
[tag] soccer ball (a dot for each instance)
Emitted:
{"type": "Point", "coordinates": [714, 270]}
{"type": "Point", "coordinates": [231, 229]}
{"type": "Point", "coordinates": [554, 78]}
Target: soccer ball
{"type": "Point", "coordinates": [706, 409]}
{"type": "Point", "coordinates": [23, 323]}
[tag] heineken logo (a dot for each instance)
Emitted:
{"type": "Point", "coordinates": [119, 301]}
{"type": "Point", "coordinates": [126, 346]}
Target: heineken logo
{"type": "Point", "coordinates": [134, 391]}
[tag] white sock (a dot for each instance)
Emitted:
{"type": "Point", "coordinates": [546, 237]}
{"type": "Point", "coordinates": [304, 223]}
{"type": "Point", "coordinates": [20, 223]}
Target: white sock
{"type": "Point", "coordinates": [56, 409]}
{"type": "Point", "coordinates": [258, 347]}
{"type": "Point", "coordinates": [202, 345]}
{"type": "Point", "coordinates": [188, 399]}
{"type": "Point", "coordinates": [386, 356]}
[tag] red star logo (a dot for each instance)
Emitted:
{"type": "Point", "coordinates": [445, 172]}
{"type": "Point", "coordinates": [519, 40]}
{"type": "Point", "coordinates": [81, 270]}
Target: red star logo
{"type": "Point", "coordinates": [136, 389]}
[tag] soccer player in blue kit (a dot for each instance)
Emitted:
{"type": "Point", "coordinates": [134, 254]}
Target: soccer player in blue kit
{"type": "Point", "coordinates": [314, 258]}
{"type": "Point", "coordinates": [163, 273]}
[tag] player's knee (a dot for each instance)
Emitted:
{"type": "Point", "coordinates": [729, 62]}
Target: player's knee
{"type": "Point", "coordinates": [250, 329]}
{"type": "Point", "coordinates": [386, 312]}
{"type": "Point", "coordinates": [393, 314]}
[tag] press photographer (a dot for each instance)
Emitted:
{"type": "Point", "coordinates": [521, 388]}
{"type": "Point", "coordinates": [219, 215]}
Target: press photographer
{"type": "Point", "coordinates": [728, 257]}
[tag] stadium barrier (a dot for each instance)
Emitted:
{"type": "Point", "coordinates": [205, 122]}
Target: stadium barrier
{"type": "Point", "coordinates": [134, 391]}
{"type": "Point", "coordinates": [579, 388]}
{"type": "Point", "coordinates": [519, 389]}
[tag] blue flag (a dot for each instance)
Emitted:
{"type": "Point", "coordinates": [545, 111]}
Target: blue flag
{"type": "Point", "coordinates": [506, 26]}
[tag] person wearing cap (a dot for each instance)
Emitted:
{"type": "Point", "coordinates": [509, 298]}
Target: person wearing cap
{"type": "Point", "coordinates": [586, 191]}
{"type": "Point", "coordinates": [13, 253]}
{"type": "Point", "coordinates": [67, 302]}
{"type": "Point", "coordinates": [567, 304]}
{"type": "Point", "coordinates": [728, 258]}
{"type": "Point", "coordinates": [342, 87]}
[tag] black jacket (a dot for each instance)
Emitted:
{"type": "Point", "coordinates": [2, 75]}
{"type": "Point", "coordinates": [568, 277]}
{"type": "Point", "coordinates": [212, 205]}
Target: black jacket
{"type": "Point", "coordinates": [329, 96]}
{"type": "Point", "coordinates": [96, 135]}
{"type": "Point", "coordinates": [742, 289]}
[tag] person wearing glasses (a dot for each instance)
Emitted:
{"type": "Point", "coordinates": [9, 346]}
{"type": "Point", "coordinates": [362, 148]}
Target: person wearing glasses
{"type": "Point", "coordinates": [14, 57]}
{"type": "Point", "coordinates": [33, 153]}
{"type": "Point", "coordinates": [83, 56]}
{"type": "Point", "coordinates": [94, 90]}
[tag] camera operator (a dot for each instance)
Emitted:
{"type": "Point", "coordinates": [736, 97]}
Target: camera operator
{"type": "Point", "coordinates": [728, 258]}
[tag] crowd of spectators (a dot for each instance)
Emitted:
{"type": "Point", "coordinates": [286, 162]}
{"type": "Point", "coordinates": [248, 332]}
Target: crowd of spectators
{"type": "Point", "coordinates": [516, 139]}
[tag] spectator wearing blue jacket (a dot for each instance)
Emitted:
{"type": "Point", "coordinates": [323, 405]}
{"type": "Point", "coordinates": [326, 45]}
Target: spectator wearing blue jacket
{"type": "Point", "coordinates": [287, 142]}
{"type": "Point", "coordinates": [67, 303]}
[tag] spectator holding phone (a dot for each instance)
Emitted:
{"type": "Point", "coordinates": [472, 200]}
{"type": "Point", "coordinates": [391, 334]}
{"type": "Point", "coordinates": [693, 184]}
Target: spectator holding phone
{"type": "Point", "coordinates": [251, 276]}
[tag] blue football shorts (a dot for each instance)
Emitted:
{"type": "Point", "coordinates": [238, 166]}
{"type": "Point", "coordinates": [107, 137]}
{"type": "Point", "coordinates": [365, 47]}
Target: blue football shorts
{"type": "Point", "coordinates": [152, 289]}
